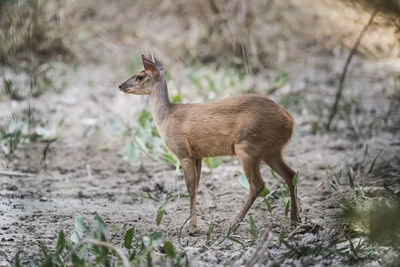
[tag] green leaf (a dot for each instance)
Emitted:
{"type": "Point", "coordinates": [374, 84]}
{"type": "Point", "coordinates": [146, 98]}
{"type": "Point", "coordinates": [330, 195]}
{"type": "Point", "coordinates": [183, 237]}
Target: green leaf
{"type": "Point", "coordinates": [169, 249]}
{"type": "Point", "coordinates": [269, 207]}
{"type": "Point", "coordinates": [253, 227]}
{"type": "Point", "coordinates": [169, 158]}
{"type": "Point", "coordinates": [130, 152]}
{"type": "Point", "coordinates": [129, 237]}
{"type": "Point", "coordinates": [144, 118]}
{"type": "Point", "coordinates": [115, 127]}
{"type": "Point", "coordinates": [243, 181]}
{"type": "Point", "coordinates": [16, 261]}
{"type": "Point", "coordinates": [333, 185]}
{"type": "Point", "coordinates": [176, 98]}
{"type": "Point", "coordinates": [274, 174]}
{"type": "Point", "coordinates": [160, 213]}
{"type": "Point", "coordinates": [287, 204]}
{"type": "Point", "coordinates": [80, 227]}
{"type": "Point", "coordinates": [74, 238]}
{"type": "Point", "coordinates": [60, 242]}
{"type": "Point", "coordinates": [156, 236]}
{"type": "Point", "coordinates": [295, 178]}
{"type": "Point", "coordinates": [76, 261]}
{"type": "Point", "coordinates": [213, 163]}
{"type": "Point", "coordinates": [100, 226]}
{"type": "Point", "coordinates": [280, 80]}
{"type": "Point", "coordinates": [264, 192]}
{"type": "Point", "coordinates": [235, 240]}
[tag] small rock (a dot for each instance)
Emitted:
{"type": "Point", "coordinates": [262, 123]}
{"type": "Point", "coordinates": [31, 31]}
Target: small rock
{"type": "Point", "coordinates": [11, 187]}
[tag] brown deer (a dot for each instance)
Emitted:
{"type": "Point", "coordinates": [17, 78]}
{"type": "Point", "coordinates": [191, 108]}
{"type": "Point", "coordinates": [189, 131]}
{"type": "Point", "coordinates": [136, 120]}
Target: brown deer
{"type": "Point", "coordinates": [252, 127]}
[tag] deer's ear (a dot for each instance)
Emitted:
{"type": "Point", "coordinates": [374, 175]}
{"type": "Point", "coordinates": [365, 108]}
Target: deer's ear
{"type": "Point", "coordinates": [150, 68]}
{"type": "Point", "coordinates": [159, 64]}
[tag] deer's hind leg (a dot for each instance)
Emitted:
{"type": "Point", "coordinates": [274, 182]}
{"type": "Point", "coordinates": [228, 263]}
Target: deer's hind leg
{"type": "Point", "coordinates": [198, 172]}
{"type": "Point", "coordinates": [251, 168]}
{"type": "Point", "coordinates": [279, 165]}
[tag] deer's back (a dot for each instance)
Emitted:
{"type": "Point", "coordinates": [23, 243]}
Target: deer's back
{"type": "Point", "coordinates": [212, 129]}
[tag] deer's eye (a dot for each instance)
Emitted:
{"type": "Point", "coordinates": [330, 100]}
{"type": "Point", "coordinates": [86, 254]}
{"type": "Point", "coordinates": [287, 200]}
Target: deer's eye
{"type": "Point", "coordinates": [139, 78]}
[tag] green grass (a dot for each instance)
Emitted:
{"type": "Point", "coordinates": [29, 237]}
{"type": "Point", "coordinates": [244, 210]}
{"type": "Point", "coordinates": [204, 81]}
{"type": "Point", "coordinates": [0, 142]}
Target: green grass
{"type": "Point", "coordinates": [211, 82]}
{"type": "Point", "coordinates": [91, 245]}
{"type": "Point", "coordinates": [370, 218]}
{"type": "Point", "coordinates": [27, 126]}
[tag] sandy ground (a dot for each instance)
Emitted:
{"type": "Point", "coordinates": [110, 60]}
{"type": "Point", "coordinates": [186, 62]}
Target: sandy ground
{"type": "Point", "coordinates": [79, 178]}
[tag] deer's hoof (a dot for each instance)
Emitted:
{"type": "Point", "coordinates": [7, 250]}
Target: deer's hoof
{"type": "Point", "coordinates": [190, 232]}
{"type": "Point", "coordinates": [295, 220]}
{"type": "Point", "coordinates": [234, 227]}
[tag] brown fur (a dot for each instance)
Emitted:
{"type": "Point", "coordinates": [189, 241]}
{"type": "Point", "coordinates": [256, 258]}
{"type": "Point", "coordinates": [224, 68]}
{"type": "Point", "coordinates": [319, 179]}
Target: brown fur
{"type": "Point", "coordinates": [252, 127]}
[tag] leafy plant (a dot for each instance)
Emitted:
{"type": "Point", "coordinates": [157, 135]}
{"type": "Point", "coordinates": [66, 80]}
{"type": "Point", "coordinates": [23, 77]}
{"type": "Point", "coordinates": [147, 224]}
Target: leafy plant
{"type": "Point", "coordinates": [11, 90]}
{"type": "Point", "coordinates": [143, 139]}
{"type": "Point", "coordinates": [213, 163]}
{"type": "Point", "coordinates": [88, 246]}
{"type": "Point", "coordinates": [161, 211]}
{"type": "Point", "coordinates": [26, 125]}
{"type": "Point", "coordinates": [209, 232]}
{"type": "Point", "coordinates": [364, 214]}
{"type": "Point", "coordinates": [128, 238]}
{"type": "Point", "coordinates": [211, 82]}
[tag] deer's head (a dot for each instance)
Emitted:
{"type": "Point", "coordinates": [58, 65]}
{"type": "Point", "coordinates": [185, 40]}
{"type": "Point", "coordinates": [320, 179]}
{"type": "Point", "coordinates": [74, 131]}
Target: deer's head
{"type": "Point", "coordinates": [145, 81]}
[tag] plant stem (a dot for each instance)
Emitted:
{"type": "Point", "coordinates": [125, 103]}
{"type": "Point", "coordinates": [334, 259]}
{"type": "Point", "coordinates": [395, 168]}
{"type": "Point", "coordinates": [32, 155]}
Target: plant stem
{"type": "Point", "coordinates": [339, 91]}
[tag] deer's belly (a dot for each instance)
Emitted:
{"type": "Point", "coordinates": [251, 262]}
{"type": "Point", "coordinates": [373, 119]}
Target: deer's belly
{"type": "Point", "coordinates": [212, 146]}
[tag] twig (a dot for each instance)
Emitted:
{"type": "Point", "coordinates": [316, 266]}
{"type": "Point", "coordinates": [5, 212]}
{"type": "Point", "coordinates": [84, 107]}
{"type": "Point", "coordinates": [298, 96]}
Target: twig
{"type": "Point", "coordinates": [125, 261]}
{"type": "Point", "coordinates": [260, 251]}
{"type": "Point", "coordinates": [17, 174]}
{"type": "Point", "coordinates": [119, 230]}
{"type": "Point", "coordinates": [89, 172]}
{"type": "Point", "coordinates": [339, 91]}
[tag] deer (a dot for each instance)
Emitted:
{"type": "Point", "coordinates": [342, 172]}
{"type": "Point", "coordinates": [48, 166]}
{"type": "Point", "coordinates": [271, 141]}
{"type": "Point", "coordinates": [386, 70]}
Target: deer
{"type": "Point", "coordinates": [251, 127]}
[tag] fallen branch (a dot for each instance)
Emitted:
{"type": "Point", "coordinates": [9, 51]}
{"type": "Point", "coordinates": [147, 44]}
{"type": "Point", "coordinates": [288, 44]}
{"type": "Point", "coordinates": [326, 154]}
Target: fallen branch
{"type": "Point", "coordinates": [260, 252]}
{"type": "Point", "coordinates": [125, 261]}
{"type": "Point", "coordinates": [339, 91]}
{"type": "Point", "coordinates": [17, 174]}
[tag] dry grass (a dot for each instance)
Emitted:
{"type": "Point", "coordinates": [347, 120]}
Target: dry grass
{"type": "Point", "coordinates": [29, 32]}
{"type": "Point", "coordinates": [252, 36]}
{"type": "Point", "coordinates": [388, 8]}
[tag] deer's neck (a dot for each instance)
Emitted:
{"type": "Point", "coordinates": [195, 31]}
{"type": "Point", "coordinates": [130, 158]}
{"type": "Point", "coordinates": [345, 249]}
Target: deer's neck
{"type": "Point", "coordinates": [160, 104]}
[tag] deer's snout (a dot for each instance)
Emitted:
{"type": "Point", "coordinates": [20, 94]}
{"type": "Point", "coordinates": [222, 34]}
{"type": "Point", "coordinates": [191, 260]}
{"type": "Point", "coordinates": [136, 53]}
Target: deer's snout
{"type": "Point", "coordinates": [122, 87]}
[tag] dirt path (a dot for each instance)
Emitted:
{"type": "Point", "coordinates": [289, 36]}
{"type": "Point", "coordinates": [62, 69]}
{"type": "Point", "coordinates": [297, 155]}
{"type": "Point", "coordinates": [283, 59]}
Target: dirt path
{"type": "Point", "coordinates": [79, 178]}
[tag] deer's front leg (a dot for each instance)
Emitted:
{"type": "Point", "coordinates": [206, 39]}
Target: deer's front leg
{"type": "Point", "coordinates": [189, 170]}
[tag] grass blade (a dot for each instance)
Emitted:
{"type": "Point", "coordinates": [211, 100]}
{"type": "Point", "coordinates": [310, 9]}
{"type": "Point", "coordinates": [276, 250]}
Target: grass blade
{"type": "Point", "coordinates": [169, 249]}
{"type": "Point", "coordinates": [269, 207]}
{"type": "Point", "coordinates": [253, 227]}
{"type": "Point", "coordinates": [210, 231]}
{"type": "Point", "coordinates": [295, 179]}
{"type": "Point", "coordinates": [129, 237]}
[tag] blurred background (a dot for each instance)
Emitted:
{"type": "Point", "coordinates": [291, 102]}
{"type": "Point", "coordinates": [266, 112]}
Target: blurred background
{"type": "Point", "coordinates": [71, 143]}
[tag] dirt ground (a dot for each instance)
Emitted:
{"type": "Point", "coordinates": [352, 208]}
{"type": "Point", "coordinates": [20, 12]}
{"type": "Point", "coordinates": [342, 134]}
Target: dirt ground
{"type": "Point", "coordinates": [79, 178]}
